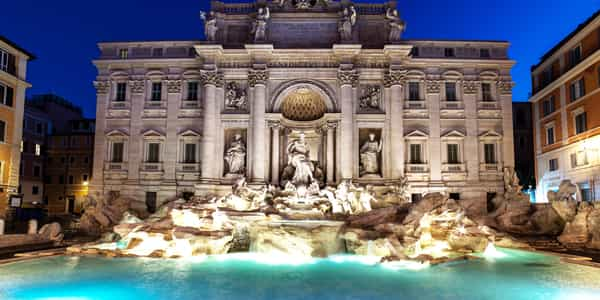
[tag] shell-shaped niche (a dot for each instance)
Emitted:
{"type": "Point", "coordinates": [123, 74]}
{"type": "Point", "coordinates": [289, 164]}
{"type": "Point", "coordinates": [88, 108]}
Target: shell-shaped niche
{"type": "Point", "coordinates": [303, 104]}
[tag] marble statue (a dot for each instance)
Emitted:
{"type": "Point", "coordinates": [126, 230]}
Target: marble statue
{"type": "Point", "coordinates": [260, 24]}
{"type": "Point", "coordinates": [347, 22]}
{"type": "Point", "coordinates": [210, 25]}
{"type": "Point", "coordinates": [299, 157]}
{"type": "Point", "coordinates": [396, 24]}
{"type": "Point", "coordinates": [511, 181]}
{"type": "Point", "coordinates": [368, 156]}
{"type": "Point", "coordinates": [370, 98]}
{"type": "Point", "coordinates": [235, 98]}
{"type": "Point", "coordinates": [235, 156]}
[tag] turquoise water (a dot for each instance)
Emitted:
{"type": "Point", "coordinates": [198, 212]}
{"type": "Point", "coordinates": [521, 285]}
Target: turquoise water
{"type": "Point", "coordinates": [520, 275]}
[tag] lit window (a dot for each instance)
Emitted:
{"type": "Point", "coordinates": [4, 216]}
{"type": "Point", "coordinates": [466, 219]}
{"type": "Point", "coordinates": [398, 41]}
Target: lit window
{"type": "Point", "coordinates": [22, 146]}
{"type": "Point", "coordinates": [38, 150]}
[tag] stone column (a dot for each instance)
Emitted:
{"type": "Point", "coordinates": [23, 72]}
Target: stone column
{"type": "Point", "coordinates": [471, 151]}
{"type": "Point", "coordinates": [275, 127]}
{"type": "Point", "coordinates": [210, 79]}
{"type": "Point", "coordinates": [348, 79]}
{"type": "Point", "coordinates": [330, 127]}
{"type": "Point", "coordinates": [508, 150]}
{"type": "Point", "coordinates": [394, 80]}
{"type": "Point", "coordinates": [435, 145]}
{"type": "Point", "coordinates": [135, 149]}
{"type": "Point", "coordinates": [258, 80]}
{"type": "Point", "coordinates": [100, 144]}
{"type": "Point", "coordinates": [173, 104]}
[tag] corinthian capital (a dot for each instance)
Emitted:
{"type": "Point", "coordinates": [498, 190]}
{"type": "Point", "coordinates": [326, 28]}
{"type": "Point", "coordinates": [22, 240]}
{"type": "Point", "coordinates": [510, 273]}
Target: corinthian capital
{"type": "Point", "coordinates": [174, 86]}
{"type": "Point", "coordinates": [102, 87]}
{"type": "Point", "coordinates": [136, 86]}
{"type": "Point", "coordinates": [433, 86]}
{"type": "Point", "coordinates": [211, 77]}
{"type": "Point", "coordinates": [349, 77]}
{"type": "Point", "coordinates": [505, 87]}
{"type": "Point", "coordinates": [470, 86]}
{"type": "Point", "coordinates": [394, 77]}
{"type": "Point", "coordinates": [258, 77]}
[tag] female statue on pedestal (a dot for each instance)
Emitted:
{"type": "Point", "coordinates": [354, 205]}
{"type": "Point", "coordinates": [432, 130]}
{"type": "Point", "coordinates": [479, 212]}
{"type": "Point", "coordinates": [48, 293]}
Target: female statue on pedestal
{"type": "Point", "coordinates": [368, 156]}
{"type": "Point", "coordinates": [235, 156]}
{"type": "Point", "coordinates": [210, 25]}
{"type": "Point", "coordinates": [346, 23]}
{"type": "Point", "coordinates": [260, 24]}
{"type": "Point", "coordinates": [299, 157]}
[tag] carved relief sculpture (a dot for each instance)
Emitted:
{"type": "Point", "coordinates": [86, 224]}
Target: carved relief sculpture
{"type": "Point", "coordinates": [259, 30]}
{"type": "Point", "coordinates": [347, 22]}
{"type": "Point", "coordinates": [397, 26]}
{"type": "Point", "coordinates": [235, 98]}
{"type": "Point", "coordinates": [235, 157]}
{"type": "Point", "coordinates": [210, 25]}
{"type": "Point", "coordinates": [371, 98]}
{"type": "Point", "coordinates": [369, 152]}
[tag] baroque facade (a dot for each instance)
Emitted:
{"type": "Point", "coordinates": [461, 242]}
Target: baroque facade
{"type": "Point", "coordinates": [566, 113]}
{"type": "Point", "coordinates": [302, 92]}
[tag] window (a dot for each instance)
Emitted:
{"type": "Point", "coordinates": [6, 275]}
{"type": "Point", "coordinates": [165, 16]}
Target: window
{"type": "Point", "coordinates": [37, 171]}
{"type": "Point", "coordinates": [39, 128]}
{"type": "Point", "coordinates": [415, 154]}
{"type": "Point", "coordinates": [151, 202]}
{"type": "Point", "coordinates": [575, 56]}
{"type": "Point", "coordinates": [86, 160]}
{"type": "Point", "coordinates": [451, 91]}
{"type": "Point", "coordinates": [72, 159]}
{"type": "Point", "coordinates": [579, 159]}
{"type": "Point", "coordinates": [190, 154]}
{"type": "Point", "coordinates": [6, 95]}
{"type": "Point", "coordinates": [455, 196]}
{"type": "Point", "coordinates": [449, 52]}
{"type": "Point", "coordinates": [153, 153]}
{"type": "Point", "coordinates": [71, 180]}
{"type": "Point", "coordinates": [123, 53]}
{"type": "Point", "coordinates": [414, 51]}
{"type": "Point", "coordinates": [484, 53]}
{"type": "Point", "coordinates": [548, 106]}
{"type": "Point", "coordinates": [4, 58]}
{"type": "Point", "coordinates": [550, 135]}
{"type": "Point", "coordinates": [414, 198]}
{"type": "Point", "coordinates": [63, 160]}
{"type": "Point", "coordinates": [486, 92]}
{"type": "Point", "coordinates": [157, 52]}
{"type": "Point", "coordinates": [489, 153]}
{"type": "Point", "coordinates": [61, 179]}
{"type": "Point", "coordinates": [580, 123]}
{"type": "Point", "coordinates": [48, 179]}
{"type": "Point", "coordinates": [35, 190]}
{"type": "Point", "coordinates": [156, 91]}
{"type": "Point", "coordinates": [586, 192]}
{"type": "Point", "coordinates": [192, 90]}
{"type": "Point", "coordinates": [85, 177]}
{"type": "Point", "coordinates": [413, 91]}
{"type": "Point", "coordinates": [547, 76]}
{"type": "Point", "coordinates": [553, 164]}
{"type": "Point", "coordinates": [38, 149]}
{"type": "Point", "coordinates": [117, 152]}
{"type": "Point", "coordinates": [577, 89]}
{"type": "Point", "coordinates": [2, 131]}
{"type": "Point", "coordinates": [121, 91]}
{"type": "Point", "coordinates": [452, 150]}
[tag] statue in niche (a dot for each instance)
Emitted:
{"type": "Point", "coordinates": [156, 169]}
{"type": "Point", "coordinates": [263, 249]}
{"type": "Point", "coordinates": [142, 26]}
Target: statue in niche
{"type": "Point", "coordinates": [299, 158]}
{"type": "Point", "coordinates": [210, 25]}
{"type": "Point", "coordinates": [396, 24]}
{"type": "Point", "coordinates": [370, 98]}
{"type": "Point", "coordinates": [235, 98]}
{"type": "Point", "coordinates": [259, 30]}
{"type": "Point", "coordinates": [369, 163]}
{"type": "Point", "coordinates": [235, 156]}
{"type": "Point", "coordinates": [347, 22]}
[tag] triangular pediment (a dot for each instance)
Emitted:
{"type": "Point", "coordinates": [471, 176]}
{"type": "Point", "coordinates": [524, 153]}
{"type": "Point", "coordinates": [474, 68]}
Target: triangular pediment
{"type": "Point", "coordinates": [152, 133]}
{"type": "Point", "coordinates": [416, 134]}
{"type": "Point", "coordinates": [453, 134]}
{"type": "Point", "coordinates": [490, 135]}
{"type": "Point", "coordinates": [189, 133]}
{"type": "Point", "coordinates": [117, 133]}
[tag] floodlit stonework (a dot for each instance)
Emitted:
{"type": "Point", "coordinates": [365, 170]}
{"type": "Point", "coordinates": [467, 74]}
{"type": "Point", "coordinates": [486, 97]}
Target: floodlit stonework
{"type": "Point", "coordinates": [310, 94]}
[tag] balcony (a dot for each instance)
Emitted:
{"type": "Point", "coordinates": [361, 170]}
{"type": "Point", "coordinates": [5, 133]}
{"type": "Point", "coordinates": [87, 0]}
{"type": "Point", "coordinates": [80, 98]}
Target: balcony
{"type": "Point", "coordinates": [452, 105]}
{"type": "Point", "coordinates": [454, 168]}
{"type": "Point", "coordinates": [155, 105]}
{"type": "Point", "coordinates": [488, 105]}
{"type": "Point", "coordinates": [119, 105]}
{"type": "Point", "coordinates": [152, 167]}
{"type": "Point", "coordinates": [417, 168]}
{"type": "Point", "coordinates": [414, 104]}
{"type": "Point", "coordinates": [115, 166]}
{"type": "Point", "coordinates": [188, 167]}
{"type": "Point", "coordinates": [487, 167]}
{"type": "Point", "coordinates": [190, 104]}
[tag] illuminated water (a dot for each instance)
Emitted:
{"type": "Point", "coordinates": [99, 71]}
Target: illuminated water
{"type": "Point", "coordinates": [519, 275]}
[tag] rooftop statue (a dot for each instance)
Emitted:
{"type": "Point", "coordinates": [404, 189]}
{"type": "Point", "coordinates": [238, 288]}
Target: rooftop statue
{"type": "Point", "coordinates": [210, 25]}
{"type": "Point", "coordinates": [347, 23]}
{"type": "Point", "coordinates": [397, 26]}
{"type": "Point", "coordinates": [259, 28]}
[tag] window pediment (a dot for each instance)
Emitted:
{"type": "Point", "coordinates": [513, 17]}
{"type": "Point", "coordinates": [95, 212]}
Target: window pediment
{"type": "Point", "coordinates": [453, 134]}
{"type": "Point", "coordinates": [153, 134]}
{"type": "Point", "coordinates": [416, 134]}
{"type": "Point", "coordinates": [490, 135]}
{"type": "Point", "coordinates": [115, 133]}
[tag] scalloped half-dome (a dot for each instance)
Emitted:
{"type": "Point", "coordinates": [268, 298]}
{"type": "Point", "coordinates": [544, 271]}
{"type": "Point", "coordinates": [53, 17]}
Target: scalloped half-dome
{"type": "Point", "coordinates": [303, 104]}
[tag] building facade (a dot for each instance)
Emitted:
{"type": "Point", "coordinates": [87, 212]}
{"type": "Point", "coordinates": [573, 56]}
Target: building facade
{"type": "Point", "coordinates": [566, 112]}
{"type": "Point", "coordinates": [524, 145]}
{"type": "Point", "coordinates": [33, 155]}
{"type": "Point", "coordinates": [327, 87]}
{"type": "Point", "coordinates": [69, 167]}
{"type": "Point", "coordinates": [13, 70]}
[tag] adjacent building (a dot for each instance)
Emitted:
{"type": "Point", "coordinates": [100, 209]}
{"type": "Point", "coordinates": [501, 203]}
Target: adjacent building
{"type": "Point", "coordinates": [13, 70]}
{"type": "Point", "coordinates": [36, 126]}
{"type": "Point", "coordinates": [524, 145]}
{"type": "Point", "coordinates": [566, 112]}
{"type": "Point", "coordinates": [283, 85]}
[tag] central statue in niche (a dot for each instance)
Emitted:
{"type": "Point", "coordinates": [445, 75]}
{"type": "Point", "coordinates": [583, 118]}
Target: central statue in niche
{"type": "Point", "coordinates": [299, 157]}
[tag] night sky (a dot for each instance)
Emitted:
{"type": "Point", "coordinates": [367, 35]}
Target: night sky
{"type": "Point", "coordinates": [63, 33]}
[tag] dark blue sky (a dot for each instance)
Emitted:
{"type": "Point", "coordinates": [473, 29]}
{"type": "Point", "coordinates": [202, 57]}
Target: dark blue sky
{"type": "Point", "coordinates": [63, 33]}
